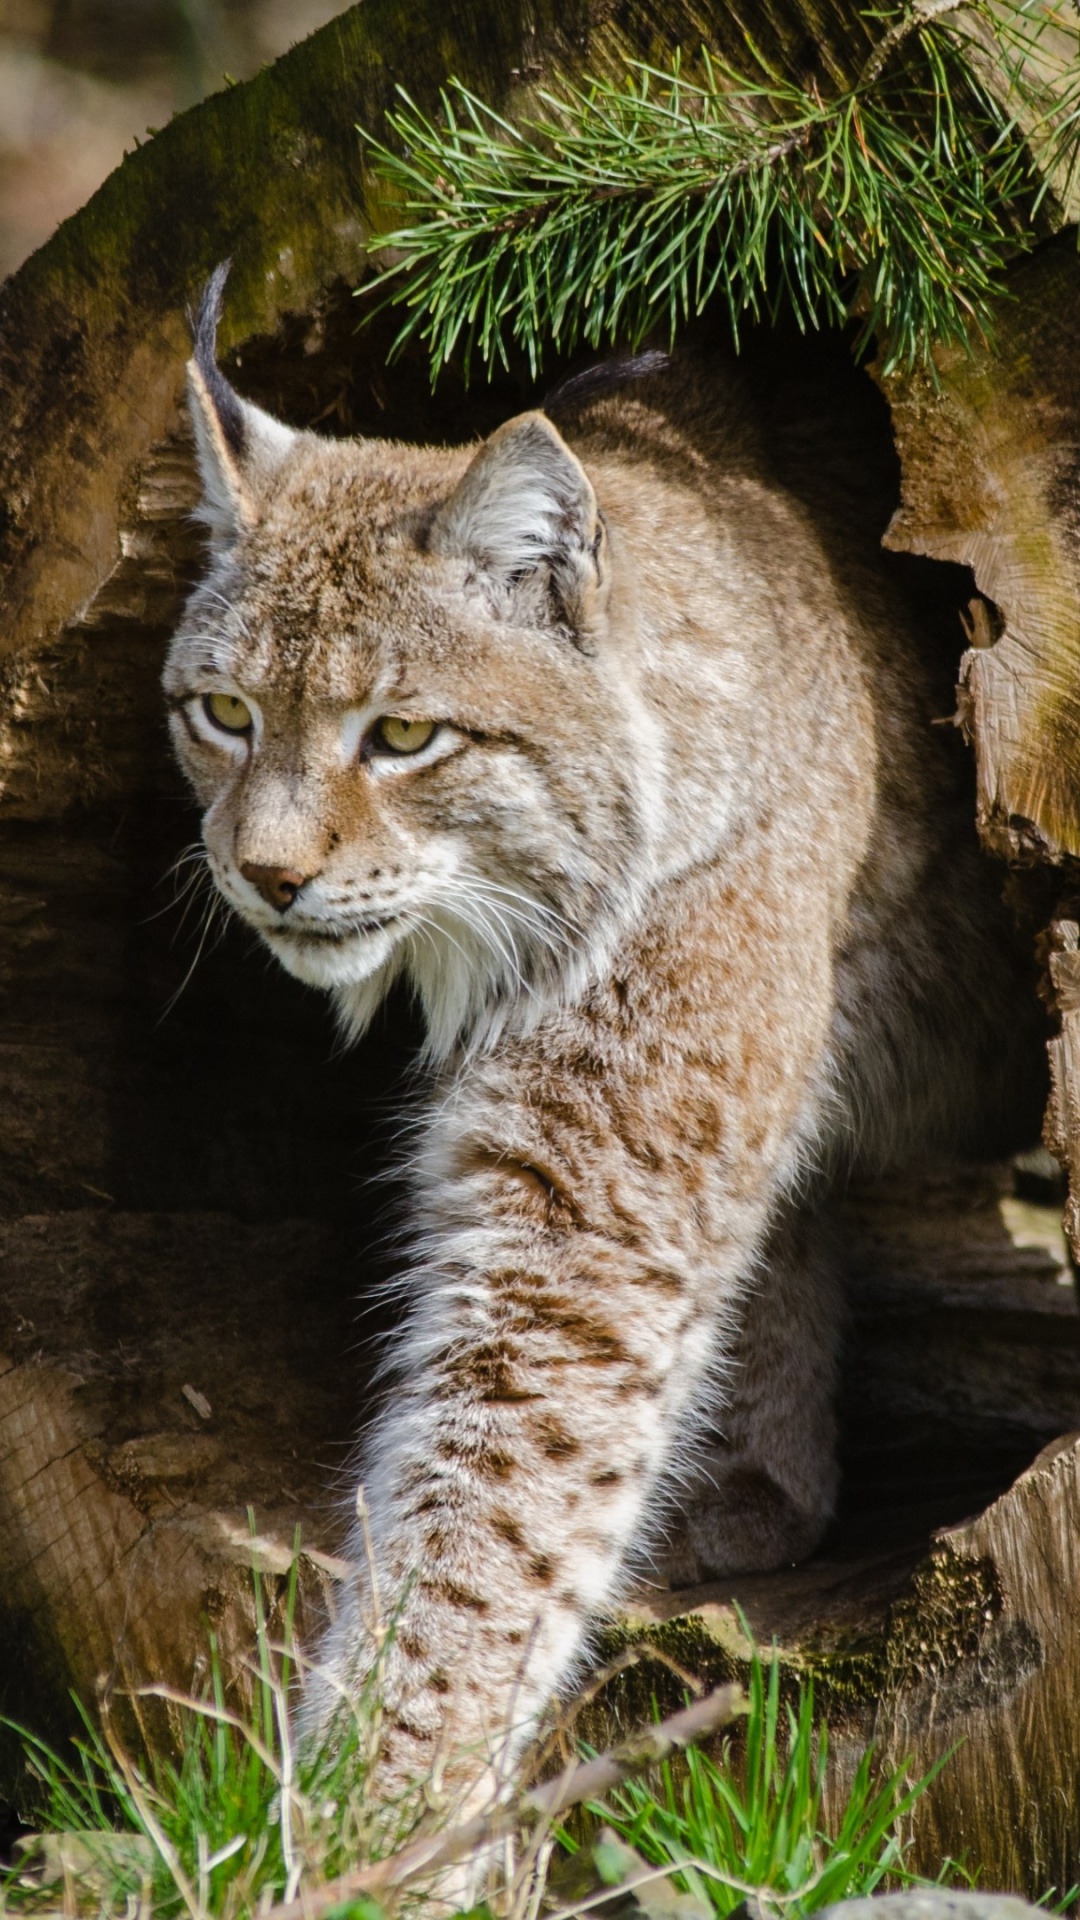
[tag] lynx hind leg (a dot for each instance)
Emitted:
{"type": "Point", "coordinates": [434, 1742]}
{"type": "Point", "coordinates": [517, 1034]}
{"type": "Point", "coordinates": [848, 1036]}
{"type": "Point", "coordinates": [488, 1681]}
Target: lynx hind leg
{"type": "Point", "coordinates": [764, 1479]}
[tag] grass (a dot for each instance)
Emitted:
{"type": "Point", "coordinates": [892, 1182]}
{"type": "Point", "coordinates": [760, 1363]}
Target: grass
{"type": "Point", "coordinates": [238, 1818]}
{"type": "Point", "coordinates": [755, 1818]}
{"type": "Point", "coordinates": [234, 1818]}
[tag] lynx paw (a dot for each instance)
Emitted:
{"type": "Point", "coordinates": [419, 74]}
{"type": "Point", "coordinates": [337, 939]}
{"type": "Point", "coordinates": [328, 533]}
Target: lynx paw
{"type": "Point", "coordinates": [740, 1521]}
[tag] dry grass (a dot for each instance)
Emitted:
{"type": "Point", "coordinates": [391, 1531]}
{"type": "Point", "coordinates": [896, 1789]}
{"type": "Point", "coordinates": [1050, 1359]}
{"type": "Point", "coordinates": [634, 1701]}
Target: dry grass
{"type": "Point", "coordinates": [240, 1820]}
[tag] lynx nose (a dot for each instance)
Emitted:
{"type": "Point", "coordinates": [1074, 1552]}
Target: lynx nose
{"type": "Point", "coordinates": [279, 886]}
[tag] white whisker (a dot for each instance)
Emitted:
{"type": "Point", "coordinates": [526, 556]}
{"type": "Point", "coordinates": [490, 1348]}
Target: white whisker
{"type": "Point", "coordinates": [215, 917]}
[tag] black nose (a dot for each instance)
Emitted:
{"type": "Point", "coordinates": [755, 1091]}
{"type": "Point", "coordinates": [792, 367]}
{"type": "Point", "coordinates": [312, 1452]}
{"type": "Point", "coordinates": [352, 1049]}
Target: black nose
{"type": "Point", "coordinates": [279, 886]}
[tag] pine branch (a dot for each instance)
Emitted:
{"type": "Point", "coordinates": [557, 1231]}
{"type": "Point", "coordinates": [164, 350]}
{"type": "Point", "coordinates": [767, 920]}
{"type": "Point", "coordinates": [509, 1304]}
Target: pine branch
{"type": "Point", "coordinates": [622, 209]}
{"type": "Point", "coordinates": [920, 15]}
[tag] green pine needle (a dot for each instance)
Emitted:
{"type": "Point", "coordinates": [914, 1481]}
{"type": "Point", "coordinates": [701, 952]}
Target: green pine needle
{"type": "Point", "coordinates": [623, 209]}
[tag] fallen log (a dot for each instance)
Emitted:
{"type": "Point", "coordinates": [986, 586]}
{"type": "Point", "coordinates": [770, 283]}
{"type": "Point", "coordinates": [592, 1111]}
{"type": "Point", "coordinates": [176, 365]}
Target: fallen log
{"type": "Point", "coordinates": [184, 1239]}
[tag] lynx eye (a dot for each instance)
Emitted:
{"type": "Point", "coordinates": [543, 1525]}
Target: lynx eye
{"type": "Point", "coordinates": [403, 736]}
{"type": "Point", "coordinates": [227, 712]}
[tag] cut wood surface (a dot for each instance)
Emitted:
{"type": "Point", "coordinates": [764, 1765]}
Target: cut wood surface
{"type": "Point", "coordinates": [989, 447]}
{"type": "Point", "coordinates": [182, 1160]}
{"type": "Point", "coordinates": [990, 453]}
{"type": "Point", "coordinates": [920, 1625]}
{"type": "Point", "coordinates": [157, 1388]}
{"type": "Point", "coordinates": [972, 1651]}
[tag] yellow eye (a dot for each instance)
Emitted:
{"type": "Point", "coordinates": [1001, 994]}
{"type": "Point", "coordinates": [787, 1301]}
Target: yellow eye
{"type": "Point", "coordinates": [227, 712]}
{"type": "Point", "coordinates": [403, 736]}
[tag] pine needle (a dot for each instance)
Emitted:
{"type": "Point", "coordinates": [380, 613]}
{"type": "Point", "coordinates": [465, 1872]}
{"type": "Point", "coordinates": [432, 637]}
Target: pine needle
{"type": "Point", "coordinates": [622, 208]}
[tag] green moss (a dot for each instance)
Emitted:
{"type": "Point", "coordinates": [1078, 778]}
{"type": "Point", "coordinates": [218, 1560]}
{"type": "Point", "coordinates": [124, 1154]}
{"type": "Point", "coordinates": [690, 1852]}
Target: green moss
{"type": "Point", "coordinates": [653, 1665]}
{"type": "Point", "coordinates": [939, 1625]}
{"type": "Point", "coordinates": [933, 1629]}
{"type": "Point", "coordinates": [846, 1668]}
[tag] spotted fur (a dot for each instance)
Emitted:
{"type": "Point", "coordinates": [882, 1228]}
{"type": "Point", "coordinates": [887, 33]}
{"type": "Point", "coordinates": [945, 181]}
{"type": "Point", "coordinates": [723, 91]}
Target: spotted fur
{"type": "Point", "coordinates": [686, 886]}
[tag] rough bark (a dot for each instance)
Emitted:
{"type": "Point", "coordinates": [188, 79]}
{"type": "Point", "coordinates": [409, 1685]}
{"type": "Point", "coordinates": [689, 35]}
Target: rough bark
{"type": "Point", "coordinates": [922, 1627]}
{"type": "Point", "coordinates": [988, 445]}
{"type": "Point", "coordinates": [184, 1235]}
{"type": "Point", "coordinates": [990, 449]}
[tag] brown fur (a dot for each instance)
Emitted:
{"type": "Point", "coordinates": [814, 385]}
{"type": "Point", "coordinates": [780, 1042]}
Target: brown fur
{"type": "Point", "coordinates": [687, 885]}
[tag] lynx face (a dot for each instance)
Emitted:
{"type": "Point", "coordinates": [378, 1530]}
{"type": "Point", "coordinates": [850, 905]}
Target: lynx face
{"type": "Point", "coordinates": [398, 700]}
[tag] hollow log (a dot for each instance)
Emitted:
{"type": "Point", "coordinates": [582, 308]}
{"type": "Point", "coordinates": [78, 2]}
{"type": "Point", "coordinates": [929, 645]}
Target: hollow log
{"type": "Point", "coordinates": [940, 1614]}
{"type": "Point", "coordinates": [990, 451]}
{"type": "Point", "coordinates": [185, 1237]}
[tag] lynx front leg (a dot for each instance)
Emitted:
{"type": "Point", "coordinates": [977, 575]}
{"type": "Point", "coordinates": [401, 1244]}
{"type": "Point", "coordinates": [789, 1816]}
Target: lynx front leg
{"type": "Point", "coordinates": [764, 1487]}
{"type": "Point", "coordinates": [539, 1385]}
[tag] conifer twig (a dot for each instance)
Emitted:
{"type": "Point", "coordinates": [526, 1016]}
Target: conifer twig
{"type": "Point", "coordinates": [920, 15]}
{"type": "Point", "coordinates": [623, 207]}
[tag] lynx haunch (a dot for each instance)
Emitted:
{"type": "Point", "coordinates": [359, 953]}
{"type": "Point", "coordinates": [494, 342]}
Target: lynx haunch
{"type": "Point", "coordinates": [619, 749]}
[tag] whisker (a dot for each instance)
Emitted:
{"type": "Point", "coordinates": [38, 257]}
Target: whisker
{"type": "Point", "coordinates": [509, 918]}
{"type": "Point", "coordinates": [194, 852]}
{"type": "Point", "coordinates": [193, 857]}
{"type": "Point", "coordinates": [543, 923]}
{"type": "Point", "coordinates": [216, 912]}
{"type": "Point", "coordinates": [535, 907]}
{"type": "Point", "coordinates": [479, 925]}
{"type": "Point", "coordinates": [230, 607]}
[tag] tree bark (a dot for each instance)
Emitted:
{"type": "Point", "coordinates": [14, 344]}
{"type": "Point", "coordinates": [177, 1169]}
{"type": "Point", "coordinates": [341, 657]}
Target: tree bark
{"type": "Point", "coordinates": [184, 1238]}
{"type": "Point", "coordinates": [990, 452]}
{"type": "Point", "coordinates": [922, 1629]}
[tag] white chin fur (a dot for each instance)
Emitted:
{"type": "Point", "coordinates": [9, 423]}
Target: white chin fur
{"type": "Point", "coordinates": [470, 980]}
{"type": "Point", "coordinates": [331, 963]}
{"type": "Point", "coordinates": [469, 987]}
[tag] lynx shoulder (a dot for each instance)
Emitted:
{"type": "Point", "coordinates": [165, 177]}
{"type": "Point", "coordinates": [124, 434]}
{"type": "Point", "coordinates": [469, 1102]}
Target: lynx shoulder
{"type": "Point", "coordinates": [617, 747]}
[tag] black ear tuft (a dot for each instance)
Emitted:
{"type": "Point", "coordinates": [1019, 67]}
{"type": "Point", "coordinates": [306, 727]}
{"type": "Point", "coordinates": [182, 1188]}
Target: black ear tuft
{"type": "Point", "coordinates": [579, 388]}
{"type": "Point", "coordinates": [240, 449]}
{"type": "Point", "coordinates": [204, 334]}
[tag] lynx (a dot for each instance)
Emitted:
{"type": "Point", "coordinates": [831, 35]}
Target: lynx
{"type": "Point", "coordinates": [618, 748]}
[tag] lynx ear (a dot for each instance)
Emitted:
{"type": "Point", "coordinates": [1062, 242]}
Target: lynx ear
{"type": "Point", "coordinates": [527, 502]}
{"type": "Point", "coordinates": [239, 447]}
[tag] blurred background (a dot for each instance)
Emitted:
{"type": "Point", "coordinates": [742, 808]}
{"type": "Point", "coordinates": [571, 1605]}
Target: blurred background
{"type": "Point", "coordinates": [81, 81]}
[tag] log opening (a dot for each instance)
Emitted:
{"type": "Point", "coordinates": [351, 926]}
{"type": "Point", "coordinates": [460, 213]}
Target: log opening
{"type": "Point", "coordinates": [186, 1227]}
{"type": "Point", "coordinates": [186, 1158]}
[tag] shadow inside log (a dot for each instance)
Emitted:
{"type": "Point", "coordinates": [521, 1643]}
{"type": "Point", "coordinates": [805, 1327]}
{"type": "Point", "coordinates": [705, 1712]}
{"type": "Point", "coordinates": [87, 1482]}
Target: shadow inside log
{"type": "Point", "coordinates": [198, 1191]}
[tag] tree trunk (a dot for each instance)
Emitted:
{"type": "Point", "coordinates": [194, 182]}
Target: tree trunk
{"type": "Point", "coordinates": [184, 1240]}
